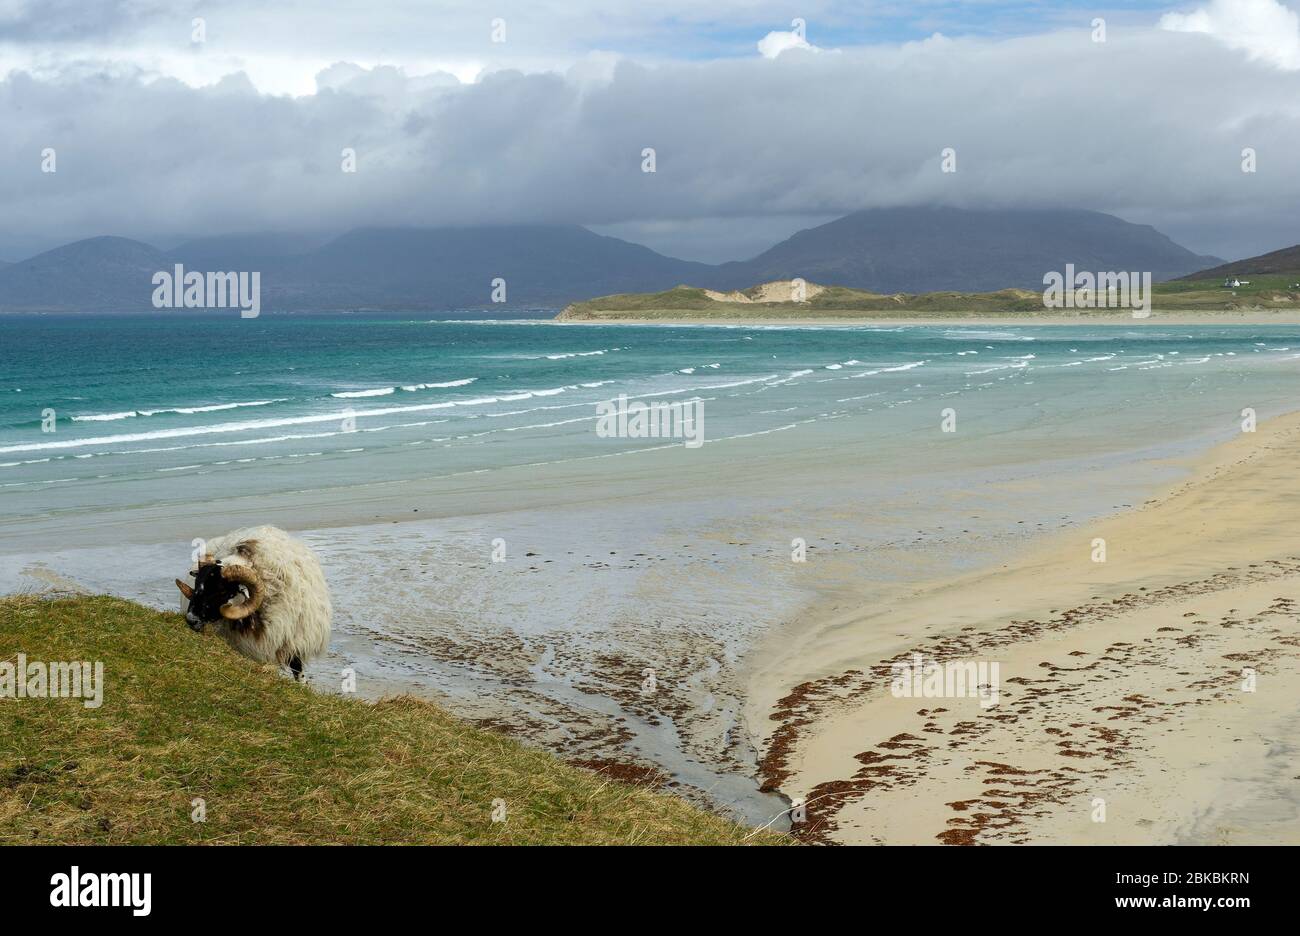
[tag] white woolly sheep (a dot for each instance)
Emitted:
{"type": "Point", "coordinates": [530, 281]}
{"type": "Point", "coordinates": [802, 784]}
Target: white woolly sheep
{"type": "Point", "coordinates": [265, 593]}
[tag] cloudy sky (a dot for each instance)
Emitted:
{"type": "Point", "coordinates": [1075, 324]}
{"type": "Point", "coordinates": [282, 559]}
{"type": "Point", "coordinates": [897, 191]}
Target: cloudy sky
{"type": "Point", "coordinates": [764, 117]}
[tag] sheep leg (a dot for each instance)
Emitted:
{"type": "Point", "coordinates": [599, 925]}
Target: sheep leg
{"type": "Point", "coordinates": [295, 665]}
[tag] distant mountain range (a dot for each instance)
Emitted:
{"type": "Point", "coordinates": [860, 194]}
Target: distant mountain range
{"type": "Point", "coordinates": [911, 250]}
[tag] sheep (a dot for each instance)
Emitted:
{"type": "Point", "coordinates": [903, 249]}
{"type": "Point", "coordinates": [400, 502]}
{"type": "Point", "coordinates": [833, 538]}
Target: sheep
{"type": "Point", "coordinates": [266, 594]}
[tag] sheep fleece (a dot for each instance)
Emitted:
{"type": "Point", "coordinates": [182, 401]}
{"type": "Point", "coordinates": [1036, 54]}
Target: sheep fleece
{"type": "Point", "coordinates": [296, 610]}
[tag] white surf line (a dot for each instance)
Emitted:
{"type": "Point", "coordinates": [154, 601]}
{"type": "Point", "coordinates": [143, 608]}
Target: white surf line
{"type": "Point", "coordinates": [409, 388]}
{"type": "Point", "coordinates": [577, 354]}
{"type": "Point", "coordinates": [463, 382]}
{"type": "Point", "coordinates": [237, 442]}
{"type": "Point", "coordinates": [880, 370]}
{"type": "Point", "coordinates": [183, 410]}
{"type": "Point", "coordinates": [251, 425]}
{"type": "Point", "coordinates": [51, 481]}
{"type": "Point", "coordinates": [357, 394]}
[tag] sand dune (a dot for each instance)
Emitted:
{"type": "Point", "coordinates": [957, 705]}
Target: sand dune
{"type": "Point", "coordinates": [776, 291]}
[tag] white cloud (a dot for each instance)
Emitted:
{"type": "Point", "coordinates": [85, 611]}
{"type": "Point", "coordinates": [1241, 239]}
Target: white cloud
{"type": "Point", "coordinates": [776, 42]}
{"type": "Point", "coordinates": [281, 47]}
{"type": "Point", "coordinates": [1265, 30]}
{"type": "Point", "coordinates": [735, 138]}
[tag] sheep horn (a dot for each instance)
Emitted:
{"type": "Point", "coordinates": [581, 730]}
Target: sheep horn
{"type": "Point", "coordinates": [248, 577]}
{"type": "Point", "coordinates": [185, 589]}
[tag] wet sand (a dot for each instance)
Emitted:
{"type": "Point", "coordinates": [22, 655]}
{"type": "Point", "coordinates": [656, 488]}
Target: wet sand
{"type": "Point", "coordinates": [1123, 683]}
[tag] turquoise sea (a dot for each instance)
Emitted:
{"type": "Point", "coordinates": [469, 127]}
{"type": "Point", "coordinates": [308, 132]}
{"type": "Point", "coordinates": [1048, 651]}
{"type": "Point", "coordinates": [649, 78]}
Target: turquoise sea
{"type": "Point", "coordinates": [99, 412]}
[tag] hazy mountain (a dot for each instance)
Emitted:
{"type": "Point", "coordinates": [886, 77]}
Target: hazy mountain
{"type": "Point", "coordinates": [374, 268]}
{"type": "Point", "coordinates": [455, 267]}
{"type": "Point", "coordinates": [244, 251]}
{"type": "Point", "coordinates": [99, 273]}
{"type": "Point", "coordinates": [1286, 260]}
{"type": "Point", "coordinates": [917, 250]}
{"type": "Point", "coordinates": [888, 250]}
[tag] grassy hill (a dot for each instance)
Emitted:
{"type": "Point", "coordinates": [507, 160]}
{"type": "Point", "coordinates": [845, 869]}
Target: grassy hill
{"type": "Point", "coordinates": [276, 763]}
{"type": "Point", "coordinates": [1272, 281]}
{"type": "Point", "coordinates": [1270, 291]}
{"type": "Point", "coordinates": [837, 302]}
{"type": "Point", "coordinates": [832, 302]}
{"type": "Point", "coordinates": [1281, 264]}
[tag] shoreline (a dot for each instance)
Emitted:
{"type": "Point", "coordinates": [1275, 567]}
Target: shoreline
{"type": "Point", "coordinates": [625, 559]}
{"type": "Point", "coordinates": [1253, 317]}
{"type": "Point", "coordinates": [1118, 680]}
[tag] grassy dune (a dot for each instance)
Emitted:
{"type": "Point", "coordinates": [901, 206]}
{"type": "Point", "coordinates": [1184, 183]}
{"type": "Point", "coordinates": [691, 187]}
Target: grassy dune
{"type": "Point", "coordinates": [686, 302]}
{"type": "Point", "coordinates": [1270, 292]}
{"type": "Point", "coordinates": [184, 717]}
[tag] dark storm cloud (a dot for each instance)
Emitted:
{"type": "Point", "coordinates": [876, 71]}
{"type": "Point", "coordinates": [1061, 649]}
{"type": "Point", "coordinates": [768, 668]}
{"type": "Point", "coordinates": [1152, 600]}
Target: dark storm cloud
{"type": "Point", "coordinates": [1149, 125]}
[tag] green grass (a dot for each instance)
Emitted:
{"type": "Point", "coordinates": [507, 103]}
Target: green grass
{"type": "Point", "coordinates": [184, 717]}
{"type": "Point", "coordinates": [1266, 291]}
{"type": "Point", "coordinates": [833, 302]}
{"type": "Point", "coordinates": [1271, 292]}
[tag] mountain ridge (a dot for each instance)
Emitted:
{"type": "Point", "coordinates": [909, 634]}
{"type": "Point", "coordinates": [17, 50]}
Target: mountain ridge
{"type": "Point", "coordinates": [1286, 260]}
{"type": "Point", "coordinates": [893, 250]}
{"type": "Point", "coordinates": [969, 251]}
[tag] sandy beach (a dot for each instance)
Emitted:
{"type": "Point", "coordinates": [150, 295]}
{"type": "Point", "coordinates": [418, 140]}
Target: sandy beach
{"type": "Point", "coordinates": [1126, 713]}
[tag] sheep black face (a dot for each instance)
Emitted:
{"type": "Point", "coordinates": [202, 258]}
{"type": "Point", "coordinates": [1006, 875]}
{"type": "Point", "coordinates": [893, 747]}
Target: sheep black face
{"type": "Point", "coordinates": [232, 592]}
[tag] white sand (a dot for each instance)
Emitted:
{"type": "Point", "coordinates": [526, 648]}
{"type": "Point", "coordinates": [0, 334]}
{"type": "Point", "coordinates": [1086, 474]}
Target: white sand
{"type": "Point", "coordinates": [1122, 681]}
